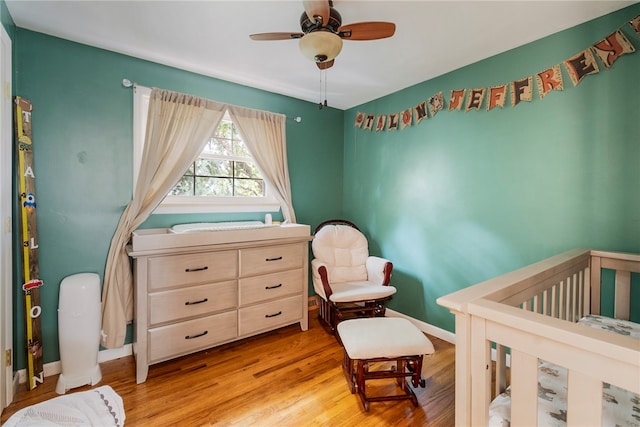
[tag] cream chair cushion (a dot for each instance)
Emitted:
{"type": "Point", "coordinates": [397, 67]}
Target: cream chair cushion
{"type": "Point", "coordinates": [344, 250]}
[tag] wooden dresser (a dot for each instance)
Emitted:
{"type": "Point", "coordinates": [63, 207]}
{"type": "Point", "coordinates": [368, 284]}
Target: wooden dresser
{"type": "Point", "coordinates": [197, 290]}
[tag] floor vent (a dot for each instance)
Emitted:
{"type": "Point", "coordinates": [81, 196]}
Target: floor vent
{"type": "Point", "coordinates": [313, 303]}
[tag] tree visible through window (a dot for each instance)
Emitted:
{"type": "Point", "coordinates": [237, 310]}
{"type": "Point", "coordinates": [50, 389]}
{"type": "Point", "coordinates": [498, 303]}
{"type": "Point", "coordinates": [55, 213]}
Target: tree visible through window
{"type": "Point", "coordinates": [225, 168]}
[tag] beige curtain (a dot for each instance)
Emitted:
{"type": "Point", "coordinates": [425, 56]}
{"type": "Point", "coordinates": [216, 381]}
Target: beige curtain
{"type": "Point", "coordinates": [178, 126]}
{"type": "Point", "coordinates": [264, 133]}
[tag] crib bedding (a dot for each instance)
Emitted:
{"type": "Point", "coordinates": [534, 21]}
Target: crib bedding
{"type": "Point", "coordinates": [101, 407]}
{"type": "Point", "coordinates": [620, 407]}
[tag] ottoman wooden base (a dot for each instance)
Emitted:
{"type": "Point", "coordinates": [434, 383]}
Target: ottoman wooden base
{"type": "Point", "coordinates": [357, 373]}
{"type": "Point", "coordinates": [394, 341]}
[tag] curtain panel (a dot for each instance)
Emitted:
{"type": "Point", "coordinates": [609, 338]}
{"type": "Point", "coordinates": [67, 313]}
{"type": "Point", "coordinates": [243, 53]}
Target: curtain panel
{"type": "Point", "coordinates": [178, 127]}
{"type": "Point", "coordinates": [264, 134]}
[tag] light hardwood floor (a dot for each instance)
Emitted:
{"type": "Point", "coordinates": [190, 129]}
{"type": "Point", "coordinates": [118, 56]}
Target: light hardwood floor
{"type": "Point", "coordinates": [282, 378]}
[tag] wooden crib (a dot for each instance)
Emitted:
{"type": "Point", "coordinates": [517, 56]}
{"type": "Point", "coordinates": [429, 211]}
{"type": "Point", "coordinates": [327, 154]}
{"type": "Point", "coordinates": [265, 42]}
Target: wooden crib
{"type": "Point", "coordinates": [530, 314]}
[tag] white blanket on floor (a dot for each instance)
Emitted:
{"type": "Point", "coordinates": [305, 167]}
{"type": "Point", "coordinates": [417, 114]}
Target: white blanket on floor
{"type": "Point", "coordinates": [101, 407]}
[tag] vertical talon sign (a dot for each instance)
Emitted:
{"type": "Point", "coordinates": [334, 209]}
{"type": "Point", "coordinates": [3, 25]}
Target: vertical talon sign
{"type": "Point", "coordinates": [31, 272]}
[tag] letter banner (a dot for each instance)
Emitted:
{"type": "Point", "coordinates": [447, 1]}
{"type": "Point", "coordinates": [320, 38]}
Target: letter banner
{"type": "Point", "coordinates": [368, 122]}
{"type": "Point", "coordinates": [497, 97]}
{"type": "Point", "coordinates": [421, 111]}
{"type": "Point", "coordinates": [457, 97]}
{"type": "Point", "coordinates": [474, 101]}
{"type": "Point", "coordinates": [635, 24]}
{"type": "Point", "coordinates": [393, 121]}
{"type": "Point", "coordinates": [581, 65]}
{"type": "Point", "coordinates": [577, 67]}
{"type": "Point", "coordinates": [436, 103]}
{"type": "Point", "coordinates": [549, 80]}
{"type": "Point", "coordinates": [521, 90]}
{"type": "Point", "coordinates": [406, 118]}
{"type": "Point", "coordinates": [612, 47]}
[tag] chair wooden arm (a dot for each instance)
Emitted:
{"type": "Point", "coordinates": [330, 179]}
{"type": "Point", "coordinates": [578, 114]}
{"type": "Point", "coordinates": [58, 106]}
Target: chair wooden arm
{"type": "Point", "coordinates": [324, 276]}
{"type": "Point", "coordinates": [388, 268]}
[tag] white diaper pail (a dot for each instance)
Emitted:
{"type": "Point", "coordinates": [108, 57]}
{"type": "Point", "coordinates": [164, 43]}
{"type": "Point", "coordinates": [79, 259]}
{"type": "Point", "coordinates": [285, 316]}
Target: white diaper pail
{"type": "Point", "coordinates": [79, 313]}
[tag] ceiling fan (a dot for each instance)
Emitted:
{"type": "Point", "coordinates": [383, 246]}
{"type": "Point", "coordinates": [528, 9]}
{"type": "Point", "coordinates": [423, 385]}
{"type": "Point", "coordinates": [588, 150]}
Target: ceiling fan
{"type": "Point", "coordinates": [323, 32]}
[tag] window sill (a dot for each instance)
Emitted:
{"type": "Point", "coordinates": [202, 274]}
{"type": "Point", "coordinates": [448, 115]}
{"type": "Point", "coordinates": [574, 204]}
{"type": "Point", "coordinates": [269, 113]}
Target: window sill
{"type": "Point", "coordinates": [233, 205]}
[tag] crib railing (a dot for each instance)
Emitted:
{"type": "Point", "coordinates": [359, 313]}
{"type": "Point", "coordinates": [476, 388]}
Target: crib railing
{"type": "Point", "coordinates": [530, 313]}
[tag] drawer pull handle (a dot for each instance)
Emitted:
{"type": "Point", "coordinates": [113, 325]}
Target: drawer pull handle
{"type": "Point", "coordinates": [274, 287]}
{"type": "Point", "coordinates": [273, 259]}
{"type": "Point", "coordinates": [190, 337]}
{"type": "Point", "coordinates": [190, 270]}
{"type": "Point", "coordinates": [273, 315]}
{"type": "Point", "coordinates": [196, 302]}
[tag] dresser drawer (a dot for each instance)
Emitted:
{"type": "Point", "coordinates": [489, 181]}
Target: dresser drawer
{"type": "Point", "coordinates": [193, 301]}
{"type": "Point", "coordinates": [269, 315]}
{"type": "Point", "coordinates": [191, 335]}
{"type": "Point", "coordinates": [270, 286]}
{"type": "Point", "coordinates": [191, 269]}
{"type": "Point", "coordinates": [270, 259]}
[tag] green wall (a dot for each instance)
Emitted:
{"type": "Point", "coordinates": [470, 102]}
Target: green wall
{"type": "Point", "coordinates": [82, 131]}
{"type": "Point", "coordinates": [452, 201]}
{"type": "Point", "coordinates": [466, 196]}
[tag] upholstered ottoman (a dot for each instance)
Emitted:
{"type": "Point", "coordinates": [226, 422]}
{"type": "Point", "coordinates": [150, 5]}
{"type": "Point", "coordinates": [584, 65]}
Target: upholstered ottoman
{"type": "Point", "coordinates": [383, 339]}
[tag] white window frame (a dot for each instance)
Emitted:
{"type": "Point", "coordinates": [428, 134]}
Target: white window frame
{"type": "Point", "coordinates": [189, 204]}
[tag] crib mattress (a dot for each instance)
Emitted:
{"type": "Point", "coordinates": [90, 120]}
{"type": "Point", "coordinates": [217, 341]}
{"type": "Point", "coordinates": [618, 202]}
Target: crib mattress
{"type": "Point", "coordinates": [620, 407]}
{"type": "Point", "coordinates": [101, 407]}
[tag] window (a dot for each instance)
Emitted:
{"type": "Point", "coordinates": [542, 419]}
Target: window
{"type": "Point", "coordinates": [224, 178]}
{"type": "Point", "coordinates": [225, 168]}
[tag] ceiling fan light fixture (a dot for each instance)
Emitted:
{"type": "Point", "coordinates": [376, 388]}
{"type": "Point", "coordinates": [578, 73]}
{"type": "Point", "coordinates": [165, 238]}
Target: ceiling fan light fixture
{"type": "Point", "coordinates": [320, 46]}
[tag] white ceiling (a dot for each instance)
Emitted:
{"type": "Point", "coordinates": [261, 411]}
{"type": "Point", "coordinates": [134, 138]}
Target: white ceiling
{"type": "Point", "coordinates": [212, 38]}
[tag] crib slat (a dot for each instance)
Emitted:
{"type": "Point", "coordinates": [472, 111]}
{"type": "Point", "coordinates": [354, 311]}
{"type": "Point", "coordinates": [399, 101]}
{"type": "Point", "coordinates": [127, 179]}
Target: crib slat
{"type": "Point", "coordinates": [623, 294]}
{"type": "Point", "coordinates": [582, 395]}
{"type": "Point", "coordinates": [575, 301]}
{"type": "Point", "coordinates": [545, 302]}
{"type": "Point", "coordinates": [595, 284]}
{"type": "Point", "coordinates": [586, 303]}
{"type": "Point", "coordinates": [524, 389]}
{"type": "Point", "coordinates": [501, 369]}
{"type": "Point", "coordinates": [568, 309]}
{"type": "Point", "coordinates": [579, 298]}
{"type": "Point", "coordinates": [561, 301]}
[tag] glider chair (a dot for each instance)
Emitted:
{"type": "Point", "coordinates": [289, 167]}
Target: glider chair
{"type": "Point", "coordinates": [349, 282]}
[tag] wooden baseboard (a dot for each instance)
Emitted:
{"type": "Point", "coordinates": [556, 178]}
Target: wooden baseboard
{"type": "Point", "coordinates": [425, 327]}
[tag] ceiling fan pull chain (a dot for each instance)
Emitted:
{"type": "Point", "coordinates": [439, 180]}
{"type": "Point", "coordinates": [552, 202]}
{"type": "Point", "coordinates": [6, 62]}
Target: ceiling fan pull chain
{"type": "Point", "coordinates": [320, 92]}
{"type": "Point", "coordinates": [325, 88]}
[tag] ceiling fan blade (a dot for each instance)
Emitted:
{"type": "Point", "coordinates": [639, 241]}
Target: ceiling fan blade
{"type": "Point", "coordinates": [372, 30]}
{"type": "Point", "coordinates": [317, 8]}
{"type": "Point", "coordinates": [276, 36]}
{"type": "Point", "coordinates": [326, 64]}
